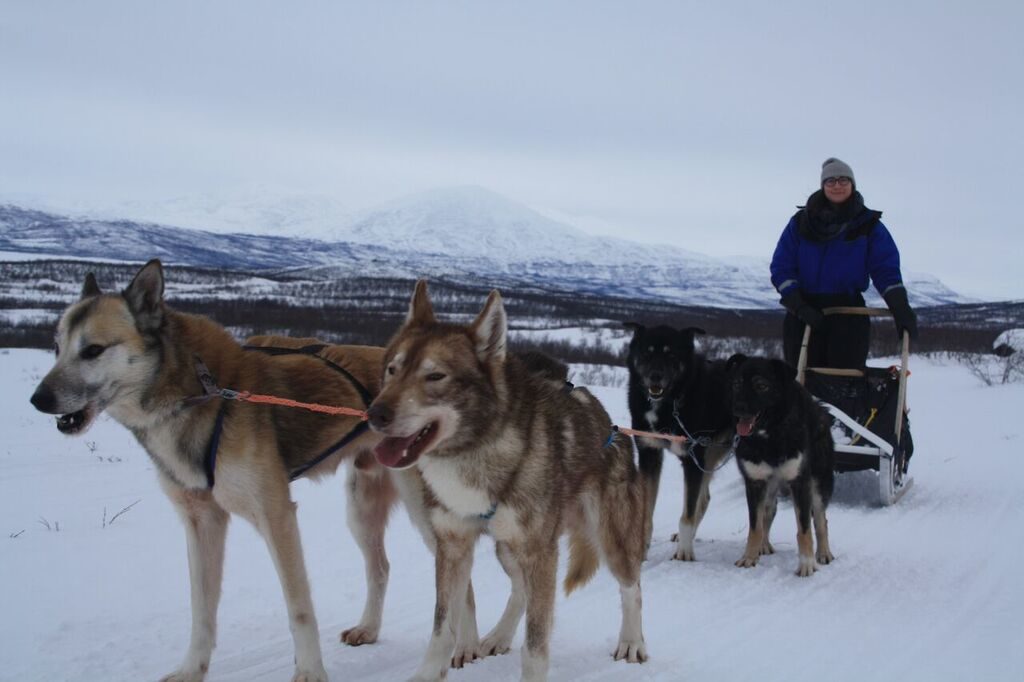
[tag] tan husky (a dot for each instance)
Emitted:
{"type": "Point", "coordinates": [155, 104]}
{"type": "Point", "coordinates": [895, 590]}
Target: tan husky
{"type": "Point", "coordinates": [129, 354]}
{"type": "Point", "coordinates": [507, 451]}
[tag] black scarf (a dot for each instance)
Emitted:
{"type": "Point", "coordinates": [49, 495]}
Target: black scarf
{"type": "Point", "coordinates": [821, 220]}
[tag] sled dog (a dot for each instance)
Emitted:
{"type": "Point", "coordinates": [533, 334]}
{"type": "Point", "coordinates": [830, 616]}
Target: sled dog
{"type": "Point", "coordinates": [673, 389]}
{"type": "Point", "coordinates": [513, 452]}
{"type": "Point", "coordinates": [785, 438]}
{"type": "Point", "coordinates": [143, 362]}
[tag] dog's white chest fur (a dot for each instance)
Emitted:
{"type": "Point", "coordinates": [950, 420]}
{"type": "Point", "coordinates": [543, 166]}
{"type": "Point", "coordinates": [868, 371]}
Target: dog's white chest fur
{"type": "Point", "coordinates": [761, 471]}
{"type": "Point", "coordinates": [448, 485]}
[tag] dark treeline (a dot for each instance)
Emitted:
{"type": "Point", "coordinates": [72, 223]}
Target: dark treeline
{"type": "Point", "coordinates": [368, 310]}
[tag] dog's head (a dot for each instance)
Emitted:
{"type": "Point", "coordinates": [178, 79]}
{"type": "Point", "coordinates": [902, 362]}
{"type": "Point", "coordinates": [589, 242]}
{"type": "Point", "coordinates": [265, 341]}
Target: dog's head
{"type": "Point", "coordinates": [440, 381]}
{"type": "Point", "coordinates": [660, 357]}
{"type": "Point", "coordinates": [101, 345]}
{"type": "Point", "coordinates": [758, 384]}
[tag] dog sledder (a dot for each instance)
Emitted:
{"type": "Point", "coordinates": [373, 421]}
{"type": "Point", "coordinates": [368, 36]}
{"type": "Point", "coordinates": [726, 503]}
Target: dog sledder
{"type": "Point", "coordinates": [869, 409]}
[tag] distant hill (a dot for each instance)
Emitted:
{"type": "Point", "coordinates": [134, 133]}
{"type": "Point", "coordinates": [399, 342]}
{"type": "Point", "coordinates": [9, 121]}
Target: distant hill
{"type": "Point", "coordinates": [465, 234]}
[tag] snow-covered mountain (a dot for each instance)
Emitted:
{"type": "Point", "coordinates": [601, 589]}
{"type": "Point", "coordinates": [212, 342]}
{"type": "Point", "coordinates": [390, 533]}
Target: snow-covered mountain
{"type": "Point", "coordinates": [461, 234]}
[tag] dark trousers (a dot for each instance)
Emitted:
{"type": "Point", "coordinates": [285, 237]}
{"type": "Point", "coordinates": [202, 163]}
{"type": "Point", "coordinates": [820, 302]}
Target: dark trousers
{"type": "Point", "coordinates": [843, 341]}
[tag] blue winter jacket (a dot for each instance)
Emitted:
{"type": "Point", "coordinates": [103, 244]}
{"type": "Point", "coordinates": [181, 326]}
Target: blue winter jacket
{"type": "Point", "coordinates": [840, 265]}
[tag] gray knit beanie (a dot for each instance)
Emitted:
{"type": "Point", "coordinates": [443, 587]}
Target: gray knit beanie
{"type": "Point", "coordinates": [834, 168]}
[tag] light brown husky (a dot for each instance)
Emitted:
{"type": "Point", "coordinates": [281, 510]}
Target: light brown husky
{"type": "Point", "coordinates": [510, 452]}
{"type": "Point", "coordinates": [129, 354]}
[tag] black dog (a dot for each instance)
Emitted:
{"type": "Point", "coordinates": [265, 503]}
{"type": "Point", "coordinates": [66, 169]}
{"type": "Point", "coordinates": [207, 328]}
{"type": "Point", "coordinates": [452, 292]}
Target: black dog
{"type": "Point", "coordinates": [785, 438]}
{"type": "Point", "coordinates": [674, 390]}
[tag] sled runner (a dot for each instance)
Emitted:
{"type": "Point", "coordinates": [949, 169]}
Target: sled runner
{"type": "Point", "coordinates": [870, 426]}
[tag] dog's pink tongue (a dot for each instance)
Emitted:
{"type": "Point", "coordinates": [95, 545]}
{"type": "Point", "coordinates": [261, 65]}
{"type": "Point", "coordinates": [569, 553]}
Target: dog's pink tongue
{"type": "Point", "coordinates": [745, 425]}
{"type": "Point", "coordinates": [391, 450]}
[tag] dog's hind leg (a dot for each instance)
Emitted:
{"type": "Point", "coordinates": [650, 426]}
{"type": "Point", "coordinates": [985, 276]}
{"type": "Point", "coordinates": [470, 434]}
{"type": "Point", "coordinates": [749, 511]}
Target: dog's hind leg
{"type": "Point", "coordinates": [370, 497]}
{"type": "Point", "coordinates": [453, 562]}
{"type": "Point", "coordinates": [274, 515]}
{"type": "Point", "coordinates": [801, 490]}
{"type": "Point", "coordinates": [624, 557]}
{"type": "Point", "coordinates": [206, 526]}
{"type": "Point", "coordinates": [499, 640]}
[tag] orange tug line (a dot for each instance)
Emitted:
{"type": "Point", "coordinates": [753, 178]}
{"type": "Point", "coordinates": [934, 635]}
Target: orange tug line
{"type": "Point", "coordinates": [245, 396]}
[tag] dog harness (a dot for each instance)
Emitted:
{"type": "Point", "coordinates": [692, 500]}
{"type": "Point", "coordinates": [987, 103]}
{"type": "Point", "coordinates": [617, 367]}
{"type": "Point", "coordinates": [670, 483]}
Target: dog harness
{"type": "Point", "coordinates": [211, 391]}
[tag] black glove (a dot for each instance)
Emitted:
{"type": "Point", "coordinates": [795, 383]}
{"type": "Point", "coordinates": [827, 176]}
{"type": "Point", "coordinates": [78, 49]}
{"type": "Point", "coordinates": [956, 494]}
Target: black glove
{"type": "Point", "coordinates": [812, 317]}
{"type": "Point", "coordinates": [906, 320]}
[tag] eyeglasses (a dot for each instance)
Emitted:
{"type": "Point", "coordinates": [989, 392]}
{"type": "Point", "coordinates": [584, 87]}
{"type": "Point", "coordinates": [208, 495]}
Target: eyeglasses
{"type": "Point", "coordinates": [842, 181]}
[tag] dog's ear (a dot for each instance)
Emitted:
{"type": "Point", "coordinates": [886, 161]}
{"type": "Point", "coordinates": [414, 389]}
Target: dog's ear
{"type": "Point", "coordinates": [90, 287]}
{"type": "Point", "coordinates": [784, 371]}
{"type": "Point", "coordinates": [635, 326]}
{"type": "Point", "coordinates": [693, 331]}
{"type": "Point", "coordinates": [734, 362]}
{"type": "Point", "coordinates": [145, 296]}
{"type": "Point", "coordinates": [490, 330]}
{"type": "Point", "coordinates": [420, 309]}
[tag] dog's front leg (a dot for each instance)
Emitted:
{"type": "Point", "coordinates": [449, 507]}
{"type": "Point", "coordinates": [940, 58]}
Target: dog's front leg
{"type": "Point", "coordinates": [539, 564]}
{"type": "Point", "coordinates": [695, 503]}
{"type": "Point", "coordinates": [756, 491]}
{"type": "Point", "coordinates": [801, 489]}
{"type": "Point", "coordinates": [468, 638]}
{"type": "Point", "coordinates": [453, 562]}
{"type": "Point", "coordinates": [370, 496]}
{"type": "Point", "coordinates": [206, 526]}
{"type": "Point", "coordinates": [499, 640]}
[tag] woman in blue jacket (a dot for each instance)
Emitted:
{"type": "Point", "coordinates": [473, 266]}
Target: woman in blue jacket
{"type": "Point", "coordinates": [824, 258]}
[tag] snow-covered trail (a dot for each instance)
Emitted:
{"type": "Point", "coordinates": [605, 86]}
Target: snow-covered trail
{"type": "Point", "coordinates": [927, 589]}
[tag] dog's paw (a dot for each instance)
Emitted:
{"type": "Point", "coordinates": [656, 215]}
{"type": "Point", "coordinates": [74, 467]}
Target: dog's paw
{"type": "Point", "coordinates": [767, 548]}
{"type": "Point", "coordinates": [684, 554]}
{"type": "Point", "coordinates": [747, 561]}
{"type": "Point", "coordinates": [465, 654]}
{"type": "Point", "coordinates": [494, 644]}
{"type": "Point", "coordinates": [631, 651]}
{"type": "Point", "coordinates": [806, 567]}
{"type": "Point", "coordinates": [825, 557]}
{"type": "Point", "coordinates": [360, 634]}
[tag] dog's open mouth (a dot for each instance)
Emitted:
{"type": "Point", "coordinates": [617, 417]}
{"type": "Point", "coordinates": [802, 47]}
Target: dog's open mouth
{"type": "Point", "coordinates": [399, 453]}
{"type": "Point", "coordinates": [76, 422]}
{"type": "Point", "coordinates": [655, 390]}
{"type": "Point", "coordinates": [745, 424]}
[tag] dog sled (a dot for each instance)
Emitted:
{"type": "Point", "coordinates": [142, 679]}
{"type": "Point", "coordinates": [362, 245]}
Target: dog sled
{"type": "Point", "coordinates": [868, 407]}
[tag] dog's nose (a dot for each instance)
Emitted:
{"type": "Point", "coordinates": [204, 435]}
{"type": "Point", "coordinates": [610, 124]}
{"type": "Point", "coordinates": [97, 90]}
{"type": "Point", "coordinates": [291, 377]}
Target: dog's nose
{"type": "Point", "coordinates": [655, 377]}
{"type": "Point", "coordinates": [44, 400]}
{"type": "Point", "coordinates": [380, 415]}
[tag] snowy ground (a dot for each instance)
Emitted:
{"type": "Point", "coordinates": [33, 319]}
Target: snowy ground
{"type": "Point", "coordinates": [920, 591]}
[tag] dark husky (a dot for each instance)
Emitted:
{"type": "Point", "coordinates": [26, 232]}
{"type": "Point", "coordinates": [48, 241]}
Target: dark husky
{"type": "Point", "coordinates": [672, 389]}
{"type": "Point", "coordinates": [505, 449]}
{"type": "Point", "coordinates": [785, 439]}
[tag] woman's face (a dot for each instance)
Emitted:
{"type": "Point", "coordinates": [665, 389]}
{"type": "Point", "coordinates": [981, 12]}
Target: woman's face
{"type": "Point", "coordinates": [838, 190]}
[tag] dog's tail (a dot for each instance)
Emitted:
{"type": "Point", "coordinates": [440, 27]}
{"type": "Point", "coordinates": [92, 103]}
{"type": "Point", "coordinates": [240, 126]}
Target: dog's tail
{"type": "Point", "coordinates": [583, 561]}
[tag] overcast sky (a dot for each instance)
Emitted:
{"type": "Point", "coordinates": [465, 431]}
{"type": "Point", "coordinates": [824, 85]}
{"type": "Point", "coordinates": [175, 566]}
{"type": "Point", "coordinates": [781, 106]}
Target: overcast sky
{"type": "Point", "coordinates": [701, 124]}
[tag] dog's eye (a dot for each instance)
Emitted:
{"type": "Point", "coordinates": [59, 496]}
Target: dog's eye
{"type": "Point", "coordinates": [92, 351]}
{"type": "Point", "coordinates": [762, 386]}
{"type": "Point", "coordinates": [436, 376]}
{"type": "Point", "coordinates": [391, 369]}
